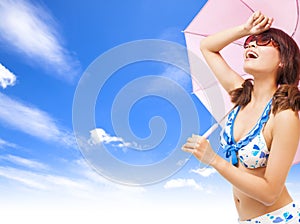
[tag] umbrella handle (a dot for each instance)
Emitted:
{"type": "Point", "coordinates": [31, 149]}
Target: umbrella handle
{"type": "Point", "coordinates": [210, 130]}
{"type": "Point", "coordinates": [215, 126]}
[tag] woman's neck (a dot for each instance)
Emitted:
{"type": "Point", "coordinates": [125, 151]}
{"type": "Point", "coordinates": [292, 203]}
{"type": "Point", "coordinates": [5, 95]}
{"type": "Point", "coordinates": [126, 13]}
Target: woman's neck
{"type": "Point", "coordinates": [263, 90]}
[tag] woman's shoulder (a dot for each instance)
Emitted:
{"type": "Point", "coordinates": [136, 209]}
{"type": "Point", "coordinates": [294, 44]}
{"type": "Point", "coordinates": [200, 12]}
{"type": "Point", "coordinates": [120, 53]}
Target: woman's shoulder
{"type": "Point", "coordinates": [286, 118]}
{"type": "Point", "coordinates": [287, 114]}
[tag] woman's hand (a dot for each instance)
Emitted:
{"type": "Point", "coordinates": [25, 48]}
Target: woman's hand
{"type": "Point", "coordinates": [200, 148]}
{"type": "Point", "coordinates": [258, 23]}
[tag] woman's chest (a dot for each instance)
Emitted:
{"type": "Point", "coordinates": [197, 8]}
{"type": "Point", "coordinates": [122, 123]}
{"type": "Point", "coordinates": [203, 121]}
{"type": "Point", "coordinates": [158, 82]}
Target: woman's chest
{"type": "Point", "coordinates": [247, 121]}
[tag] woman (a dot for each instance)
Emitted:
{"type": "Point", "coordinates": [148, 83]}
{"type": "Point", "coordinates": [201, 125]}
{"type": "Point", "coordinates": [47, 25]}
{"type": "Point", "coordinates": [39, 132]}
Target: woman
{"type": "Point", "coordinates": [262, 132]}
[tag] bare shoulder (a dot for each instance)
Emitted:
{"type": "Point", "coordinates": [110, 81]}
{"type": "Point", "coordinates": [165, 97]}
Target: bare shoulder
{"type": "Point", "coordinates": [287, 120]}
{"type": "Point", "coordinates": [287, 116]}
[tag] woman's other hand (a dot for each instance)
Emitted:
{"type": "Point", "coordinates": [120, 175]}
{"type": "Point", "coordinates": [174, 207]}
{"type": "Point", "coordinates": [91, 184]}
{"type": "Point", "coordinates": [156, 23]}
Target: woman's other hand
{"type": "Point", "coordinates": [200, 147]}
{"type": "Point", "coordinates": [258, 23]}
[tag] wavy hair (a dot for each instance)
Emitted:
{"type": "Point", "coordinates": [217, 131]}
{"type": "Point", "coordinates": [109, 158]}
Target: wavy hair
{"type": "Point", "coordinates": [287, 95]}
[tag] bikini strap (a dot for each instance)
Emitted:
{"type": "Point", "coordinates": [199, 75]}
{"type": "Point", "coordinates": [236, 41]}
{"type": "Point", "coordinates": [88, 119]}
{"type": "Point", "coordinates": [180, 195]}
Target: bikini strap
{"type": "Point", "coordinates": [232, 147]}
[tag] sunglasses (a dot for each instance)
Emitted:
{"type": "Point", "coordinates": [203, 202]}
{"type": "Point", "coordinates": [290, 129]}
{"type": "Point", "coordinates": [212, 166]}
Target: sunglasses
{"type": "Point", "coordinates": [261, 40]}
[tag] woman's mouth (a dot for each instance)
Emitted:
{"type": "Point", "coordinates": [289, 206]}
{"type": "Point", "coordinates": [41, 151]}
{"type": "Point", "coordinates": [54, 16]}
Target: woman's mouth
{"type": "Point", "coordinates": [251, 55]}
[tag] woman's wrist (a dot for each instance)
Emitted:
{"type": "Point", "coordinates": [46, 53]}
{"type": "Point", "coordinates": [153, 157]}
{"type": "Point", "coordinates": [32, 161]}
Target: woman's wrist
{"type": "Point", "coordinates": [218, 162]}
{"type": "Point", "coordinates": [243, 30]}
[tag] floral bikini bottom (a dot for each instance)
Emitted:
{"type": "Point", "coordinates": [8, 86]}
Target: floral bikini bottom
{"type": "Point", "coordinates": [287, 214]}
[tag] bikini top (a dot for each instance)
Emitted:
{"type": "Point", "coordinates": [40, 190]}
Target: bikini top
{"type": "Point", "coordinates": [252, 149]}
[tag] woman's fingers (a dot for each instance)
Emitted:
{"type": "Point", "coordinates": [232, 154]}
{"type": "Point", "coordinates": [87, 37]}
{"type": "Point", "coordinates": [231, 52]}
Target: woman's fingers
{"type": "Point", "coordinates": [258, 19]}
{"type": "Point", "coordinates": [199, 146]}
{"type": "Point", "coordinates": [265, 23]}
{"type": "Point", "coordinates": [190, 146]}
{"type": "Point", "coordinates": [255, 15]}
{"type": "Point", "coordinates": [258, 23]}
{"type": "Point", "coordinates": [193, 143]}
{"type": "Point", "coordinates": [189, 150]}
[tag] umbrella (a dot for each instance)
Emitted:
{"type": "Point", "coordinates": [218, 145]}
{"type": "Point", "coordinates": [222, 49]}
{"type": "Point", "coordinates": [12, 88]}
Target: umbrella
{"type": "Point", "coordinates": [217, 15]}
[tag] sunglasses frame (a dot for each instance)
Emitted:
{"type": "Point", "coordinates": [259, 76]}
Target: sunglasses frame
{"type": "Point", "coordinates": [257, 38]}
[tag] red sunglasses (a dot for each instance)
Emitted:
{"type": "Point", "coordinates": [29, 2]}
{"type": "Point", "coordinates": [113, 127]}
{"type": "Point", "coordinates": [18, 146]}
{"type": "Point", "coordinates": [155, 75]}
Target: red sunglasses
{"type": "Point", "coordinates": [261, 40]}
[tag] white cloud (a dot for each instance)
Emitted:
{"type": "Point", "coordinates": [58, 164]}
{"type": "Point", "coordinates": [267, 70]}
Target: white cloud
{"type": "Point", "coordinates": [99, 135]}
{"type": "Point", "coordinates": [30, 29]}
{"type": "Point", "coordinates": [22, 177]}
{"type": "Point", "coordinates": [39, 181]}
{"type": "Point", "coordinates": [24, 162]}
{"type": "Point", "coordinates": [32, 121]}
{"type": "Point", "coordinates": [6, 77]}
{"type": "Point", "coordinates": [80, 182]}
{"type": "Point", "coordinates": [293, 188]}
{"type": "Point", "coordinates": [181, 183]}
{"type": "Point", "coordinates": [177, 75]}
{"type": "Point", "coordinates": [205, 172]}
{"type": "Point", "coordinates": [4, 144]}
{"type": "Point", "coordinates": [81, 167]}
{"type": "Point", "coordinates": [173, 74]}
{"type": "Point", "coordinates": [81, 198]}
{"type": "Point", "coordinates": [173, 34]}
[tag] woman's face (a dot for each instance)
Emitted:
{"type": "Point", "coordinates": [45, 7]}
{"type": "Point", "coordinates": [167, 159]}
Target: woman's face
{"type": "Point", "coordinates": [261, 58]}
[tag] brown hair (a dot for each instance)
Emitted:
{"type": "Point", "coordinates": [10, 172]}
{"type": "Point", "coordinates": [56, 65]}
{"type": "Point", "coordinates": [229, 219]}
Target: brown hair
{"type": "Point", "coordinates": [287, 95]}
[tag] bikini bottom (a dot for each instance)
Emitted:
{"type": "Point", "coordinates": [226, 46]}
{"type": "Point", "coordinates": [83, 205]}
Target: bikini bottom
{"type": "Point", "coordinates": [287, 214]}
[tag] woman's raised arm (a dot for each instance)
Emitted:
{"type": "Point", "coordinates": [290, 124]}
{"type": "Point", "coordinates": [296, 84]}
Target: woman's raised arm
{"type": "Point", "coordinates": [213, 44]}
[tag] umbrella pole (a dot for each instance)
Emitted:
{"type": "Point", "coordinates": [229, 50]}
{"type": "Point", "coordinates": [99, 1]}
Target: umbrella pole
{"type": "Point", "coordinates": [214, 126]}
{"type": "Point", "coordinates": [210, 130]}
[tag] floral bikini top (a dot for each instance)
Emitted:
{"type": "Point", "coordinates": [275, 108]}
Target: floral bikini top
{"type": "Point", "coordinates": [251, 150]}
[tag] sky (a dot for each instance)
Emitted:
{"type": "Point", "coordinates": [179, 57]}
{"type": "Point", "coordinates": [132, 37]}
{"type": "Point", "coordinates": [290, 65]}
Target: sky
{"type": "Point", "coordinates": [95, 104]}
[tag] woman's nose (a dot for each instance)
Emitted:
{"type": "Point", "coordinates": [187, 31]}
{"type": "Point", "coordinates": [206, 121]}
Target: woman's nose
{"type": "Point", "coordinates": [252, 44]}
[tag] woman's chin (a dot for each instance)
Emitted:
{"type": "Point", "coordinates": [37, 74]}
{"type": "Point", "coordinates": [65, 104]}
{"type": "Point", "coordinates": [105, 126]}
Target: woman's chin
{"type": "Point", "coordinates": [249, 70]}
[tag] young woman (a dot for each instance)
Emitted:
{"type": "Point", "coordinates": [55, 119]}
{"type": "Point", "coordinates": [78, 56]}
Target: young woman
{"type": "Point", "coordinates": [262, 131]}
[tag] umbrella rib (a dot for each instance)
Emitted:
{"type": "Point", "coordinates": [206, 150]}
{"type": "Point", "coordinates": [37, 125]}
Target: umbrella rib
{"type": "Point", "coordinates": [297, 23]}
{"type": "Point", "coordinates": [198, 34]}
{"type": "Point", "coordinates": [247, 5]}
{"type": "Point", "coordinates": [206, 35]}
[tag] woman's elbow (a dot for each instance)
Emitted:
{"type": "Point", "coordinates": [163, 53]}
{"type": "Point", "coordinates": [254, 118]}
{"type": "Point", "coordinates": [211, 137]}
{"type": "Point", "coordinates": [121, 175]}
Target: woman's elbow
{"type": "Point", "coordinates": [269, 199]}
{"type": "Point", "coordinates": [202, 45]}
{"type": "Point", "coordinates": [207, 47]}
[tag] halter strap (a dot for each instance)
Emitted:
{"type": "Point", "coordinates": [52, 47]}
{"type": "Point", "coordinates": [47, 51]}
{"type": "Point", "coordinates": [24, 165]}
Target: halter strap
{"type": "Point", "coordinates": [232, 147]}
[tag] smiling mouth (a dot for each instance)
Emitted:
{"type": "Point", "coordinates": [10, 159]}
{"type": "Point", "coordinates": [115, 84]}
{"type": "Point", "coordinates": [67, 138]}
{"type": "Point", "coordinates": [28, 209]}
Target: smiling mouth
{"type": "Point", "coordinates": [251, 55]}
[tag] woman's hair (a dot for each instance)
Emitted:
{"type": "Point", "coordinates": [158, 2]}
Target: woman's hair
{"type": "Point", "coordinates": [287, 95]}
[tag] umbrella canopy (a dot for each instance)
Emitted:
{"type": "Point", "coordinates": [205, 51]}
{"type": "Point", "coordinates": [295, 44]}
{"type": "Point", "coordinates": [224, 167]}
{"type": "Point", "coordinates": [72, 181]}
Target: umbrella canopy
{"type": "Point", "coordinates": [217, 15]}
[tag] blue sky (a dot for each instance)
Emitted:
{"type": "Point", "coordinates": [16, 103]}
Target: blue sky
{"type": "Point", "coordinates": [47, 47]}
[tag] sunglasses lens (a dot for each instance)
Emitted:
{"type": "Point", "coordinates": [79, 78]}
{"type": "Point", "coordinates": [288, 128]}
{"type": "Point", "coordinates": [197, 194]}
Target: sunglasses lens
{"type": "Point", "coordinates": [262, 40]}
{"type": "Point", "coordinates": [248, 41]}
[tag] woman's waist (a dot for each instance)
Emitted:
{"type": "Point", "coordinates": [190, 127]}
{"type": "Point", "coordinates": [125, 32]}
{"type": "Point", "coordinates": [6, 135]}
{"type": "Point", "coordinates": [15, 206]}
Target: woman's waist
{"type": "Point", "coordinates": [248, 208]}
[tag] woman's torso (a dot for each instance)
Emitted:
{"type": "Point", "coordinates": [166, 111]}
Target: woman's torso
{"type": "Point", "coordinates": [248, 208]}
{"type": "Point", "coordinates": [245, 121]}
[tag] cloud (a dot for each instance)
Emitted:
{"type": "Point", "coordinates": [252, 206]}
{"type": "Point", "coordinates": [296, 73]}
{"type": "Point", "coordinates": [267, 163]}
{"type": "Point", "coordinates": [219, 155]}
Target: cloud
{"type": "Point", "coordinates": [84, 170]}
{"type": "Point", "coordinates": [31, 29]}
{"type": "Point", "coordinates": [6, 77]}
{"type": "Point", "coordinates": [32, 121]}
{"type": "Point", "coordinates": [99, 135]}
{"type": "Point", "coordinates": [77, 180]}
{"type": "Point", "coordinates": [4, 144]}
{"type": "Point", "coordinates": [24, 162]}
{"type": "Point", "coordinates": [181, 183]}
{"type": "Point", "coordinates": [38, 181]}
{"type": "Point", "coordinates": [174, 34]}
{"type": "Point", "coordinates": [178, 76]}
{"type": "Point", "coordinates": [175, 75]}
{"type": "Point", "coordinates": [204, 172]}
{"type": "Point", "coordinates": [294, 189]}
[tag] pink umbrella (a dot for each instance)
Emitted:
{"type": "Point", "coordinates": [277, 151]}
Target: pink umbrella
{"type": "Point", "coordinates": [217, 15]}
